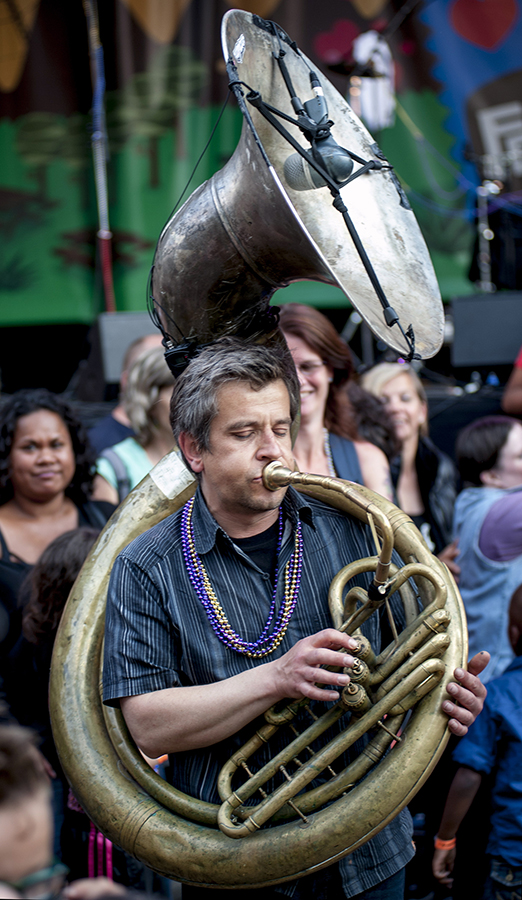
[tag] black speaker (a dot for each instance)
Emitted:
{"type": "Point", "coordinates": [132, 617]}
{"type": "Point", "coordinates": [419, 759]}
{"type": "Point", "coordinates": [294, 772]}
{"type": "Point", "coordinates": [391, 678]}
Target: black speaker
{"type": "Point", "coordinates": [109, 338]}
{"type": "Point", "coordinates": [488, 329]}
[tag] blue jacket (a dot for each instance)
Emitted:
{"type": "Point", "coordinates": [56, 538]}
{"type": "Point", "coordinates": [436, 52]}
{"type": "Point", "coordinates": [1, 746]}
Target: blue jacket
{"type": "Point", "coordinates": [486, 585]}
{"type": "Point", "coordinates": [493, 744]}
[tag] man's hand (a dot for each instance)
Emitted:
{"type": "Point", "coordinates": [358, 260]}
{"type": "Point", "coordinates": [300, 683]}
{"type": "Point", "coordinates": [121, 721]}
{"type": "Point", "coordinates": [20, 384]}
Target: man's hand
{"type": "Point", "coordinates": [469, 692]}
{"type": "Point", "coordinates": [299, 670]}
{"type": "Point", "coordinates": [442, 865]}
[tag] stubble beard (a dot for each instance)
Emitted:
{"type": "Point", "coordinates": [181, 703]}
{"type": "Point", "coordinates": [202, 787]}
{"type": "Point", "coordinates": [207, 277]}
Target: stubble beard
{"type": "Point", "coordinates": [249, 501]}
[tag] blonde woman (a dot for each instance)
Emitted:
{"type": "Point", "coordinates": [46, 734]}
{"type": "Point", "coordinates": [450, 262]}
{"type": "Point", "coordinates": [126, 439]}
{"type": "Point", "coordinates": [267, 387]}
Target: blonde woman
{"type": "Point", "coordinates": [425, 479]}
{"type": "Point", "coordinates": [146, 402]}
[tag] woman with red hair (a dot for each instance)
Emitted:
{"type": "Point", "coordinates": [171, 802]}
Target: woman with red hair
{"type": "Point", "coordinates": [337, 416]}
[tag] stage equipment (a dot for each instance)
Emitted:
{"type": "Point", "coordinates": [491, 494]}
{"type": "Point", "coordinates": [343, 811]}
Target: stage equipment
{"type": "Point", "coordinates": [259, 223]}
{"type": "Point", "coordinates": [481, 337]}
{"type": "Point", "coordinates": [203, 283]}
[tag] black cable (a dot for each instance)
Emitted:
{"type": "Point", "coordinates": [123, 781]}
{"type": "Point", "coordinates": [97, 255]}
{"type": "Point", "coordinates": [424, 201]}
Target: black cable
{"type": "Point", "coordinates": [194, 170]}
{"type": "Point", "coordinates": [151, 302]}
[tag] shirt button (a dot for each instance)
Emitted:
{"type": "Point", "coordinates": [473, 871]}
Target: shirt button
{"type": "Point", "coordinates": [509, 876]}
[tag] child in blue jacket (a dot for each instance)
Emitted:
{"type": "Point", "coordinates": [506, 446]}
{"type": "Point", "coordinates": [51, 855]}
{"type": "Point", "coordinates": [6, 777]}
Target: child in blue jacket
{"type": "Point", "coordinates": [493, 745]}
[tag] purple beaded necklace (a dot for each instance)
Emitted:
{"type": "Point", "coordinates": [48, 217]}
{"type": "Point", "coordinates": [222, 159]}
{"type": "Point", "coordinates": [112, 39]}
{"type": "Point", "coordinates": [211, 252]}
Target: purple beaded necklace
{"type": "Point", "coordinates": [272, 634]}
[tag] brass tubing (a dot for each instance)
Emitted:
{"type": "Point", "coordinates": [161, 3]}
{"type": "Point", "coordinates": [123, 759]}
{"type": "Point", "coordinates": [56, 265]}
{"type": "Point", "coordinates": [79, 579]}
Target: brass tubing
{"type": "Point", "coordinates": [296, 746]}
{"type": "Point", "coordinates": [434, 648]}
{"type": "Point", "coordinates": [433, 675]}
{"type": "Point", "coordinates": [227, 772]}
{"type": "Point", "coordinates": [416, 570]}
{"type": "Point", "coordinates": [348, 778]}
{"type": "Point", "coordinates": [286, 714]}
{"type": "Point", "coordinates": [430, 621]}
{"type": "Point", "coordinates": [189, 807]}
{"type": "Point", "coordinates": [335, 592]}
{"type": "Point", "coordinates": [324, 757]}
{"type": "Point", "coordinates": [276, 476]}
{"type": "Point", "coordinates": [337, 608]}
{"type": "Point", "coordinates": [397, 654]}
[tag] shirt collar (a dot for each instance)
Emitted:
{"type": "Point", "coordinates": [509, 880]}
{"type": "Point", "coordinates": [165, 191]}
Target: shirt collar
{"type": "Point", "coordinates": [516, 663]}
{"type": "Point", "coordinates": [206, 529]}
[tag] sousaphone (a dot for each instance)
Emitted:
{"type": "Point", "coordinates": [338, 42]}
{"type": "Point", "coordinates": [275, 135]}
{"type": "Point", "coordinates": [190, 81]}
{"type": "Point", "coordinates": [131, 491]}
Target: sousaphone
{"type": "Point", "coordinates": [259, 224]}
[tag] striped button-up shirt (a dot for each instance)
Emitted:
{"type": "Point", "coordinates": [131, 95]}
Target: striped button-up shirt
{"type": "Point", "coordinates": [158, 636]}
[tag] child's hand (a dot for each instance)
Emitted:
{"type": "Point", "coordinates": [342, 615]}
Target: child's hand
{"type": "Point", "coordinates": [442, 865]}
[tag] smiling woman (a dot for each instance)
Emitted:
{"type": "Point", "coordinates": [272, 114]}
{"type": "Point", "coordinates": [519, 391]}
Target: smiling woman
{"type": "Point", "coordinates": [334, 409]}
{"type": "Point", "coordinates": [46, 474]}
{"type": "Point", "coordinates": [424, 477]}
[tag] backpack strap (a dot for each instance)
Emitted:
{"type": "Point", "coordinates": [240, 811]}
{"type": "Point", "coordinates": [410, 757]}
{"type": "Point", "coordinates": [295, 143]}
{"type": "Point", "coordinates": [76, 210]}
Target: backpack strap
{"type": "Point", "coordinates": [122, 478]}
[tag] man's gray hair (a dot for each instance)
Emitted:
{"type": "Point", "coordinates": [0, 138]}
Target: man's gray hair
{"type": "Point", "coordinates": [194, 401]}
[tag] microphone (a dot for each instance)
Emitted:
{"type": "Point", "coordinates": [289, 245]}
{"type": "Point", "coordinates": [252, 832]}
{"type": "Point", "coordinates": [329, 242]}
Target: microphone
{"type": "Point", "coordinates": [300, 176]}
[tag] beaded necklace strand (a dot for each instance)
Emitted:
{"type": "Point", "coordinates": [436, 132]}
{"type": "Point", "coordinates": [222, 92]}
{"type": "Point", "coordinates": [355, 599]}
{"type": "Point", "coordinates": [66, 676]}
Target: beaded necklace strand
{"type": "Point", "coordinates": [266, 642]}
{"type": "Point", "coordinates": [328, 452]}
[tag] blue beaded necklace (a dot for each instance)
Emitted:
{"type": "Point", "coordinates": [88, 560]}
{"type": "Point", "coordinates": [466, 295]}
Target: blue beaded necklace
{"type": "Point", "coordinates": [273, 632]}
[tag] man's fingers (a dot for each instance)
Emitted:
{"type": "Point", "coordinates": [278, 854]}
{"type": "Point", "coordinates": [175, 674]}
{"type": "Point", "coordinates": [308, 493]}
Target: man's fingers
{"type": "Point", "coordinates": [469, 699]}
{"type": "Point", "coordinates": [323, 657]}
{"type": "Point", "coordinates": [469, 693]}
{"type": "Point", "coordinates": [332, 639]}
{"type": "Point", "coordinates": [478, 663]}
{"type": "Point", "coordinates": [460, 716]}
{"type": "Point", "coordinates": [313, 692]}
{"type": "Point", "coordinates": [324, 676]}
{"type": "Point", "coordinates": [457, 728]}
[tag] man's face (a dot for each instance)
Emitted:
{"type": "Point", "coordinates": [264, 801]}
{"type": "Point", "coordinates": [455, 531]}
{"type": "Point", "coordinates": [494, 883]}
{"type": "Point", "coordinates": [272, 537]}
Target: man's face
{"type": "Point", "coordinates": [26, 836]}
{"type": "Point", "coordinates": [251, 429]}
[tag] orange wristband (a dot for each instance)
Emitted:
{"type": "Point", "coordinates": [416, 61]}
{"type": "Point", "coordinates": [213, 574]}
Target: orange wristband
{"type": "Point", "coordinates": [445, 845]}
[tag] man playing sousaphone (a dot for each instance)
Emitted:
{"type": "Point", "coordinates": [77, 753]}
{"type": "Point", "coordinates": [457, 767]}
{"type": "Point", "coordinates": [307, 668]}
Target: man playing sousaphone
{"type": "Point", "coordinates": [220, 611]}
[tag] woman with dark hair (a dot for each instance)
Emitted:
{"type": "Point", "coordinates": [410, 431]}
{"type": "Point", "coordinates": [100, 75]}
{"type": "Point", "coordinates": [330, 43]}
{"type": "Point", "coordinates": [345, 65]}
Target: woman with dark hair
{"type": "Point", "coordinates": [46, 475]}
{"type": "Point", "coordinates": [47, 586]}
{"type": "Point", "coordinates": [27, 669]}
{"type": "Point", "coordinates": [488, 525]}
{"type": "Point", "coordinates": [342, 428]}
{"type": "Point", "coordinates": [27, 666]}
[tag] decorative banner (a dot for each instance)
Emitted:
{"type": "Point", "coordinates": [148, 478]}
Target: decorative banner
{"type": "Point", "coordinates": [458, 118]}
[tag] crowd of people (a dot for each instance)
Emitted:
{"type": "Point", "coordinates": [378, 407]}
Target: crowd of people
{"type": "Point", "coordinates": [196, 687]}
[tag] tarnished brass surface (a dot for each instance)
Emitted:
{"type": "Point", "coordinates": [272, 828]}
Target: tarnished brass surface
{"type": "Point", "coordinates": [246, 232]}
{"type": "Point", "coordinates": [177, 835]}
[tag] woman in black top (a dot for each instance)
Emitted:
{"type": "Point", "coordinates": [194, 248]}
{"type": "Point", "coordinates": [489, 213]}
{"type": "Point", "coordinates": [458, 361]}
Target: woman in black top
{"type": "Point", "coordinates": [46, 475]}
{"type": "Point", "coordinates": [424, 477]}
